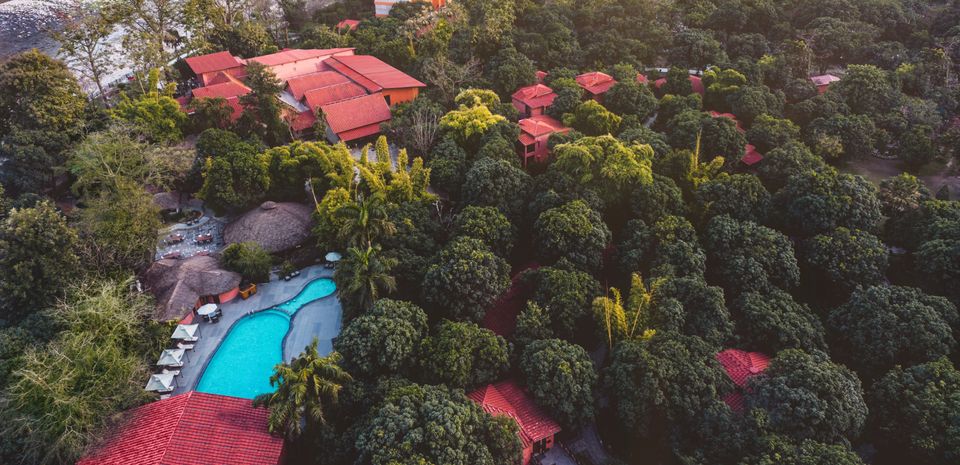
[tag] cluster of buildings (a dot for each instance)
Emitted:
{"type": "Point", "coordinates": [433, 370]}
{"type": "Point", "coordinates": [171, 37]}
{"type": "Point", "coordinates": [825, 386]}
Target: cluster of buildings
{"type": "Point", "coordinates": [350, 94]}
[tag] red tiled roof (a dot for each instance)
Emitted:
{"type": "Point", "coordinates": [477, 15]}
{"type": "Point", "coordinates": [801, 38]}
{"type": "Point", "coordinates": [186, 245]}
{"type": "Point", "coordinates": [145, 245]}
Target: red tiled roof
{"type": "Point", "coordinates": [361, 113]}
{"type": "Point", "coordinates": [824, 80]}
{"type": "Point", "coordinates": [540, 125]}
{"type": "Point", "coordinates": [596, 82]}
{"type": "Point", "coordinates": [541, 75]}
{"type": "Point", "coordinates": [189, 429]}
{"type": "Point", "coordinates": [695, 83]}
{"type": "Point", "coordinates": [535, 96]}
{"type": "Point", "coordinates": [349, 24]}
{"type": "Point", "coordinates": [642, 78]}
{"type": "Point", "coordinates": [741, 365]}
{"type": "Point", "coordinates": [507, 398]}
{"type": "Point", "coordinates": [213, 62]}
{"type": "Point", "coordinates": [225, 90]}
{"type": "Point", "coordinates": [374, 73]}
{"type": "Point", "coordinates": [751, 157]}
{"type": "Point", "coordinates": [303, 120]}
{"type": "Point", "coordinates": [333, 93]}
{"type": "Point", "coordinates": [301, 84]}
{"type": "Point", "coordinates": [291, 55]}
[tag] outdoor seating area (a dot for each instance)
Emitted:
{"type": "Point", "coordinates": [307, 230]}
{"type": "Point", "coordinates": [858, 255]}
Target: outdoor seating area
{"type": "Point", "coordinates": [164, 380]}
{"type": "Point", "coordinates": [291, 275]}
{"type": "Point", "coordinates": [210, 313]}
{"type": "Point", "coordinates": [331, 259]}
{"type": "Point", "coordinates": [199, 236]}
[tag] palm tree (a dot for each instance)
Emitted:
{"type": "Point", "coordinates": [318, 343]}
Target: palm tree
{"type": "Point", "coordinates": [362, 276]}
{"type": "Point", "coordinates": [364, 221]}
{"type": "Point", "coordinates": [626, 321]}
{"type": "Point", "coordinates": [306, 388]}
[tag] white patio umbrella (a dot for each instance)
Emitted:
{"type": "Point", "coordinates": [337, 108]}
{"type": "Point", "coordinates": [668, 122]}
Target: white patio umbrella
{"type": "Point", "coordinates": [333, 257]}
{"type": "Point", "coordinates": [188, 333]}
{"type": "Point", "coordinates": [161, 382]}
{"type": "Point", "coordinates": [207, 309]}
{"type": "Point", "coordinates": [171, 358]}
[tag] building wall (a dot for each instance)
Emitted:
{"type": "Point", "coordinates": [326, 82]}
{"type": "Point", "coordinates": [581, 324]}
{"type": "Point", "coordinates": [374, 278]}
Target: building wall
{"type": "Point", "coordinates": [229, 295]}
{"type": "Point", "coordinates": [396, 96]}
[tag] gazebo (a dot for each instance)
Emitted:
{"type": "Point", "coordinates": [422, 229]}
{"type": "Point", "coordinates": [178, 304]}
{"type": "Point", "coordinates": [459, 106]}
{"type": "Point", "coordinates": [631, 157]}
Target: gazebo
{"type": "Point", "coordinates": [171, 358]}
{"type": "Point", "coordinates": [186, 333]}
{"type": "Point", "coordinates": [275, 226]}
{"type": "Point", "coordinates": [161, 382]}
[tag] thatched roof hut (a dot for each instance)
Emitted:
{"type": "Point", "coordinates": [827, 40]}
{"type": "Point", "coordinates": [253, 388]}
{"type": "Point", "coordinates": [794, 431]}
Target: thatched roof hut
{"type": "Point", "coordinates": [275, 226]}
{"type": "Point", "coordinates": [178, 284]}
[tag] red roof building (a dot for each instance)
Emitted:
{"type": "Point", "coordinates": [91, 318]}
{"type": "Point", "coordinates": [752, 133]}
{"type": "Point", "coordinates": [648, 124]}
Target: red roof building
{"type": "Point", "coordinates": [695, 83]}
{"type": "Point", "coordinates": [190, 429]}
{"type": "Point", "coordinates": [534, 134]}
{"type": "Point", "coordinates": [206, 66]}
{"type": "Point", "coordinates": [740, 367]}
{"type": "Point", "coordinates": [751, 156]}
{"type": "Point", "coordinates": [533, 100]}
{"type": "Point", "coordinates": [376, 76]}
{"type": "Point", "coordinates": [642, 78]}
{"type": "Point", "coordinates": [536, 429]}
{"type": "Point", "coordinates": [541, 76]}
{"type": "Point", "coordinates": [331, 94]}
{"type": "Point", "coordinates": [823, 82]}
{"type": "Point", "coordinates": [355, 118]}
{"type": "Point", "coordinates": [298, 86]}
{"type": "Point", "coordinates": [348, 25]}
{"type": "Point", "coordinates": [596, 84]}
{"type": "Point", "coordinates": [313, 78]}
{"type": "Point", "coordinates": [228, 88]}
{"type": "Point", "coordinates": [731, 116]}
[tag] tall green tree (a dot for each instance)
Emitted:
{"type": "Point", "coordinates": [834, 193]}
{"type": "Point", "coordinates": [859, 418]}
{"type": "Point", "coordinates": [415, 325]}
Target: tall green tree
{"type": "Point", "coordinates": [362, 276]}
{"type": "Point", "coordinates": [384, 340]}
{"type": "Point", "coordinates": [307, 388]}
{"type": "Point", "coordinates": [913, 410]}
{"type": "Point", "coordinates": [883, 326]}
{"type": "Point", "coordinates": [41, 113]}
{"type": "Point", "coordinates": [465, 280]}
{"type": "Point", "coordinates": [249, 259]}
{"type": "Point", "coordinates": [561, 378]}
{"type": "Point", "coordinates": [364, 221]}
{"type": "Point", "coordinates": [261, 107]}
{"type": "Point", "coordinates": [572, 231]}
{"type": "Point", "coordinates": [463, 355]}
{"type": "Point", "coordinates": [806, 396]}
{"type": "Point", "coordinates": [422, 424]}
{"type": "Point", "coordinates": [38, 255]}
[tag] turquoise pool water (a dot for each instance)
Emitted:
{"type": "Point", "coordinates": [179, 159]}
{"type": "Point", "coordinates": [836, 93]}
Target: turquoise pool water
{"type": "Point", "coordinates": [243, 363]}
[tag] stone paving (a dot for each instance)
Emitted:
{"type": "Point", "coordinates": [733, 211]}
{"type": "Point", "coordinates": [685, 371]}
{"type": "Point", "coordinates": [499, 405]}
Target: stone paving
{"type": "Point", "coordinates": [189, 246]}
{"type": "Point", "coordinates": [313, 320]}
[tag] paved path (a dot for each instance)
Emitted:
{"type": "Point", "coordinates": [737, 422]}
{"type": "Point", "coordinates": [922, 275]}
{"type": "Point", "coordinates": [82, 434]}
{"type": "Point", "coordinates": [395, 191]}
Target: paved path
{"type": "Point", "coordinates": [313, 320]}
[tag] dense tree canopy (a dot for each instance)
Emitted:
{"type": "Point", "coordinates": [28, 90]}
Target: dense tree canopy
{"type": "Point", "coordinates": [384, 340]}
{"type": "Point", "coordinates": [883, 326]}
{"type": "Point", "coordinates": [807, 396]}
{"type": "Point", "coordinates": [465, 280]}
{"type": "Point", "coordinates": [560, 377]}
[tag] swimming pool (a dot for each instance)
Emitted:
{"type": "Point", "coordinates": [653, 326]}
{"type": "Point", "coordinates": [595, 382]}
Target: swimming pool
{"type": "Point", "coordinates": [242, 365]}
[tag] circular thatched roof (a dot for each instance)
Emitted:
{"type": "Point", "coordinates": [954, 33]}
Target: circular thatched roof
{"type": "Point", "coordinates": [275, 226]}
{"type": "Point", "coordinates": [178, 284]}
{"type": "Point", "coordinates": [167, 200]}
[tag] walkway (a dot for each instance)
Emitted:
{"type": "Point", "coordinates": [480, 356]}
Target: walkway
{"type": "Point", "coordinates": [311, 321]}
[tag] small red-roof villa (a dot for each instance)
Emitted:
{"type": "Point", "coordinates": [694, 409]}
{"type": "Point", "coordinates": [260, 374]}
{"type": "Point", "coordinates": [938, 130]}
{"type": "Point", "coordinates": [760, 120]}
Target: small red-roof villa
{"type": "Point", "coordinates": [314, 81]}
{"type": "Point", "coordinates": [534, 134]}
{"type": "Point", "coordinates": [751, 156]}
{"type": "Point", "coordinates": [595, 84]}
{"type": "Point", "coordinates": [533, 100]}
{"type": "Point", "coordinates": [823, 82]}
{"type": "Point", "coordinates": [382, 7]}
{"type": "Point", "coordinates": [347, 24]}
{"type": "Point", "coordinates": [190, 429]}
{"type": "Point", "coordinates": [536, 429]}
{"type": "Point", "coordinates": [740, 367]}
{"type": "Point", "coordinates": [695, 82]}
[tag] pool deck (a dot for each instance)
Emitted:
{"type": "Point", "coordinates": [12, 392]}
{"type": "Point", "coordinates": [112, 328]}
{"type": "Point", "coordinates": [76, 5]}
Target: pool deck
{"type": "Point", "coordinates": [312, 320]}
